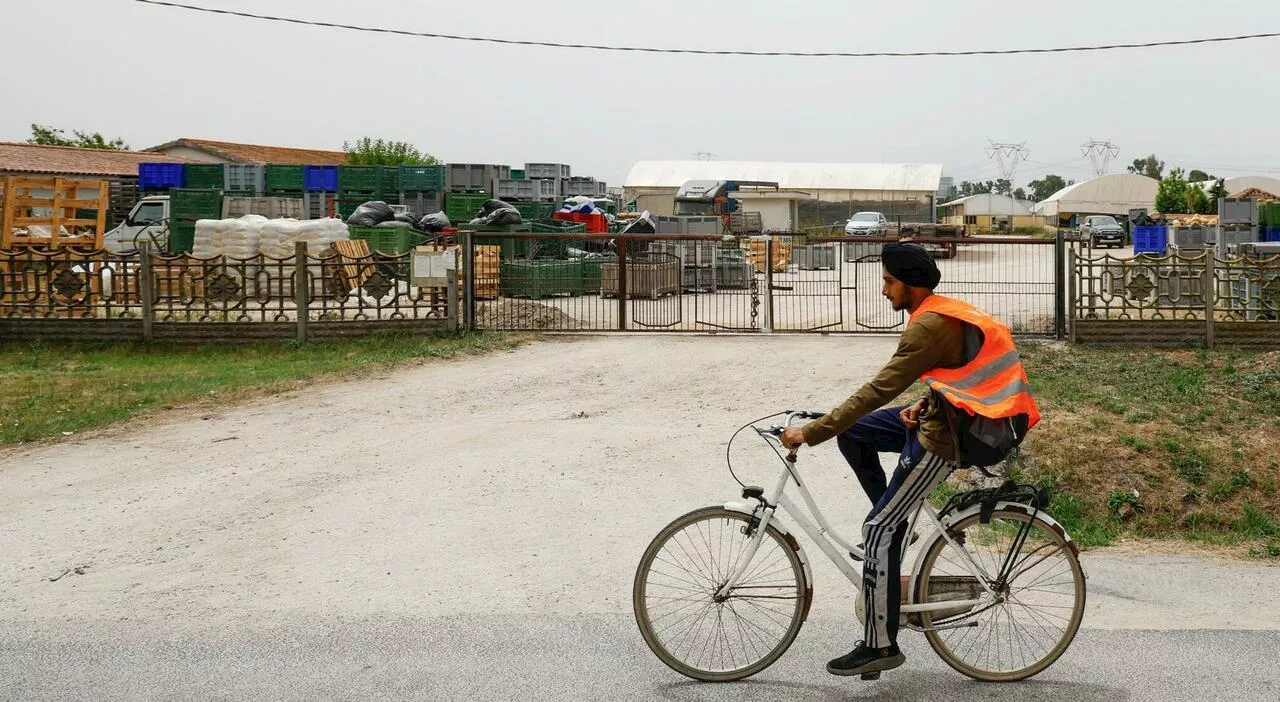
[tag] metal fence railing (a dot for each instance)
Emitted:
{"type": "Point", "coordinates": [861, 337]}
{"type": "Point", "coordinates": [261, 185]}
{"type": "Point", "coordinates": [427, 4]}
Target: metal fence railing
{"type": "Point", "coordinates": [777, 282]}
{"type": "Point", "coordinates": [224, 298]}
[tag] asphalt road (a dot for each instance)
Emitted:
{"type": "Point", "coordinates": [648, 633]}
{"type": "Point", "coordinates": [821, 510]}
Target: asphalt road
{"type": "Point", "coordinates": [597, 657]}
{"type": "Point", "coordinates": [468, 530]}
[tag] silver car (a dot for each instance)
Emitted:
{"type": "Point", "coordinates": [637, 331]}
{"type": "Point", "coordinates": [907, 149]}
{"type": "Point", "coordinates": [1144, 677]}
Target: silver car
{"type": "Point", "coordinates": [867, 224]}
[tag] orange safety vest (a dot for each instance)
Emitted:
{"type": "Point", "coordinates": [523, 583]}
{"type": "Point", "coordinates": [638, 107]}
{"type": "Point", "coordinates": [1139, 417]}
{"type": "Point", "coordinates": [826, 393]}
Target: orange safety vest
{"type": "Point", "coordinates": [993, 384]}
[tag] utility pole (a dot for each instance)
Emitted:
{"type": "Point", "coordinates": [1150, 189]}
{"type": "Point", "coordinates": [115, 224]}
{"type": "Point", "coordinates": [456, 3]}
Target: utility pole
{"type": "Point", "coordinates": [1101, 153]}
{"type": "Point", "coordinates": [1007, 157]}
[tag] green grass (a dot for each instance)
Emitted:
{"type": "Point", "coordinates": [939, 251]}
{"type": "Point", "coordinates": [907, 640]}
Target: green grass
{"type": "Point", "coordinates": [50, 390]}
{"type": "Point", "coordinates": [1193, 430]}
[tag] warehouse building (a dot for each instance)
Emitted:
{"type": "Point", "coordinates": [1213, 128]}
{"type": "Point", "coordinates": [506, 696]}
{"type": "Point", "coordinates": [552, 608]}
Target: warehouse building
{"type": "Point", "coordinates": [808, 194]}
{"type": "Point", "coordinates": [989, 212]}
{"type": "Point", "coordinates": [1112, 194]}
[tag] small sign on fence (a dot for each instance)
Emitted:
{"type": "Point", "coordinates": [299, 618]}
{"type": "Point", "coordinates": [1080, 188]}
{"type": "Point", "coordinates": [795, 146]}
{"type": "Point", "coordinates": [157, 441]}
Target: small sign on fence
{"type": "Point", "coordinates": [431, 269]}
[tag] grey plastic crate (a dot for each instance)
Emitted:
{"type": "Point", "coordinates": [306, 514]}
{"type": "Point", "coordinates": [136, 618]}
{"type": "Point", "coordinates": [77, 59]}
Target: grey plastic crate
{"type": "Point", "coordinates": [734, 274]}
{"type": "Point", "coordinates": [588, 187]}
{"type": "Point", "coordinates": [814, 257]}
{"type": "Point", "coordinates": [687, 224]}
{"type": "Point", "coordinates": [1231, 236]}
{"type": "Point", "coordinates": [270, 207]}
{"type": "Point", "coordinates": [422, 202]}
{"type": "Point", "coordinates": [691, 253]}
{"type": "Point", "coordinates": [474, 177]}
{"type": "Point", "coordinates": [698, 279]}
{"type": "Point", "coordinates": [245, 177]}
{"type": "Point", "coordinates": [554, 171]}
{"type": "Point", "coordinates": [746, 223]}
{"type": "Point", "coordinates": [316, 205]}
{"type": "Point", "coordinates": [1190, 238]}
{"type": "Point", "coordinates": [1237, 211]}
{"type": "Point", "coordinates": [857, 250]}
{"type": "Point", "coordinates": [536, 190]}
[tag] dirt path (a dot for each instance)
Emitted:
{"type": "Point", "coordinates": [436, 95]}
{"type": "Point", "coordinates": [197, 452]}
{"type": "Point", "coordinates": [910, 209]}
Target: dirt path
{"type": "Point", "coordinates": [525, 481]}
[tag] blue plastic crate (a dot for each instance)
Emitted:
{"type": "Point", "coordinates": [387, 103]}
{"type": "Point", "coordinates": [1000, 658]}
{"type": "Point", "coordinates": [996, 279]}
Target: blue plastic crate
{"type": "Point", "coordinates": [1270, 234]}
{"type": "Point", "coordinates": [161, 176]}
{"type": "Point", "coordinates": [1150, 239]}
{"type": "Point", "coordinates": [317, 179]}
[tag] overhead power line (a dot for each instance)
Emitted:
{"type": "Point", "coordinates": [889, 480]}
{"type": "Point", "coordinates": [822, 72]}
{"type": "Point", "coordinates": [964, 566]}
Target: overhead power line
{"type": "Point", "coordinates": [710, 52]}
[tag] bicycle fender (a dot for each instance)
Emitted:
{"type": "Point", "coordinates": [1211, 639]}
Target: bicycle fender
{"type": "Point", "coordinates": [957, 517]}
{"type": "Point", "coordinates": [748, 508]}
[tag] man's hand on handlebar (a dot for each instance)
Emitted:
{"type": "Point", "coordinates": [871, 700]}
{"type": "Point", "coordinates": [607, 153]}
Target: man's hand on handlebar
{"type": "Point", "coordinates": [792, 438]}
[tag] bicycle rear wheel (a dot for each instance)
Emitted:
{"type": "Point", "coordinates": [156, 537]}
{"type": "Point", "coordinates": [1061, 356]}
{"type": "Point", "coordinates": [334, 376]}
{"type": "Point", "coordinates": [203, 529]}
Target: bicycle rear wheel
{"type": "Point", "coordinates": [1040, 601]}
{"type": "Point", "coordinates": [718, 640]}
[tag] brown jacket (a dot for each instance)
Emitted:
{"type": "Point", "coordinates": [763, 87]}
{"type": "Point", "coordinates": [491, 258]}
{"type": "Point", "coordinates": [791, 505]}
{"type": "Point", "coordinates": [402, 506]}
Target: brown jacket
{"type": "Point", "coordinates": [932, 341]}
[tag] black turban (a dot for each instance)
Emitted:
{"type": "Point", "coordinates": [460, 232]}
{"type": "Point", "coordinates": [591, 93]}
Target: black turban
{"type": "Point", "coordinates": [911, 264]}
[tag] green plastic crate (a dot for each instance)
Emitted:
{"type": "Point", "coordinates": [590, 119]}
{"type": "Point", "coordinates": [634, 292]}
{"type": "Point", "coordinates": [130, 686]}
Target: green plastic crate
{"type": "Point", "coordinates": [591, 273]}
{"type": "Point", "coordinates": [389, 179]}
{"type": "Point", "coordinates": [538, 279]}
{"type": "Point", "coordinates": [346, 203]}
{"type": "Point", "coordinates": [517, 174]}
{"type": "Point", "coordinates": [536, 211]}
{"type": "Point", "coordinates": [511, 247]}
{"type": "Point", "coordinates": [210, 176]}
{"type": "Point", "coordinates": [421, 178]}
{"type": "Point", "coordinates": [358, 178]}
{"type": "Point", "coordinates": [391, 241]}
{"type": "Point", "coordinates": [182, 237]}
{"type": "Point", "coordinates": [188, 205]}
{"type": "Point", "coordinates": [286, 179]}
{"type": "Point", "coordinates": [463, 208]}
{"type": "Point", "coordinates": [559, 227]}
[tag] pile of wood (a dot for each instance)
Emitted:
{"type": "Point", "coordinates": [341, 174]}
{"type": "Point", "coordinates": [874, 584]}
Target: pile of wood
{"type": "Point", "coordinates": [44, 213]}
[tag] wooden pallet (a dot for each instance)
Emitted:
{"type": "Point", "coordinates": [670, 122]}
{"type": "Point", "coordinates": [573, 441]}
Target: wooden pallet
{"type": "Point", "coordinates": [24, 198]}
{"type": "Point", "coordinates": [354, 266]}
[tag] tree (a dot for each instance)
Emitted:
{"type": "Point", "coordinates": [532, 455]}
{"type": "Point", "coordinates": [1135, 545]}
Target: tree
{"type": "Point", "coordinates": [48, 136]}
{"type": "Point", "coordinates": [1198, 176]}
{"type": "Point", "coordinates": [1002, 187]}
{"type": "Point", "coordinates": [1150, 167]}
{"type": "Point", "coordinates": [1198, 201]}
{"type": "Point", "coordinates": [1218, 191]}
{"type": "Point", "coordinates": [965, 188]}
{"type": "Point", "coordinates": [380, 152]}
{"type": "Point", "coordinates": [1020, 194]}
{"type": "Point", "coordinates": [1043, 188]}
{"type": "Point", "coordinates": [1171, 194]}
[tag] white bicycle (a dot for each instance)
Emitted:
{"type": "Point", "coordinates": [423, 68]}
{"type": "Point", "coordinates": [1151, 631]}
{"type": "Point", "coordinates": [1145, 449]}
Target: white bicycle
{"type": "Point", "coordinates": [997, 588]}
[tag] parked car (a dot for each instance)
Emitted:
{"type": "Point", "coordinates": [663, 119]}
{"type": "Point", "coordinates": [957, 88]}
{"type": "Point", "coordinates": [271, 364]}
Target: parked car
{"type": "Point", "coordinates": [1102, 230]}
{"type": "Point", "coordinates": [867, 224]}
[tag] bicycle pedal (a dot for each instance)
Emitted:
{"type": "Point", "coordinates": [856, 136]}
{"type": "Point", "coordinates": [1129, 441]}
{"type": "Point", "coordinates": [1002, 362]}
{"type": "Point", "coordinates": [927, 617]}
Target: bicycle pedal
{"type": "Point", "coordinates": [871, 676]}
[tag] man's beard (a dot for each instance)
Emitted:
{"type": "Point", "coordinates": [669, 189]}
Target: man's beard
{"type": "Point", "coordinates": [898, 307]}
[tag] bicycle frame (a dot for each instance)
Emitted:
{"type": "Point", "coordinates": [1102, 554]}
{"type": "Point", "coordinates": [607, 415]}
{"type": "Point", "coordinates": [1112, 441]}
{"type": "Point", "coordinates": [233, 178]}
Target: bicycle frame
{"type": "Point", "coordinates": [823, 534]}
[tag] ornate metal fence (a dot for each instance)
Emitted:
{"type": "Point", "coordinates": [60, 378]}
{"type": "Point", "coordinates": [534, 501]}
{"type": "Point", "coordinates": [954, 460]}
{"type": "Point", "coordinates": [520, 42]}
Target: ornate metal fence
{"type": "Point", "coordinates": [1176, 300]}
{"type": "Point", "coordinates": [778, 283]}
{"type": "Point", "coordinates": [102, 295]}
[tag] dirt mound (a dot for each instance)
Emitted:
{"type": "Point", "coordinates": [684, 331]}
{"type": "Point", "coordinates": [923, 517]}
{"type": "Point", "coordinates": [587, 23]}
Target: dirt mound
{"type": "Point", "coordinates": [522, 314]}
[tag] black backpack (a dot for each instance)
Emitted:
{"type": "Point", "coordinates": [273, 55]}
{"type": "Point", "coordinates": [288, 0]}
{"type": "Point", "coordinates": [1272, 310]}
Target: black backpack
{"type": "Point", "coordinates": [983, 441]}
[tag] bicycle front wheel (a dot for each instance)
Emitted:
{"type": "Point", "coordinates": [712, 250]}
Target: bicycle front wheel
{"type": "Point", "coordinates": [709, 638]}
{"type": "Point", "coordinates": [1038, 604]}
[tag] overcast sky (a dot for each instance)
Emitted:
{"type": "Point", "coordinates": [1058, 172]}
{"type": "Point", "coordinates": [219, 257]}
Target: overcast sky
{"type": "Point", "coordinates": [151, 74]}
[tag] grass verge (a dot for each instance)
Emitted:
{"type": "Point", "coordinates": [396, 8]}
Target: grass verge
{"type": "Point", "coordinates": [1143, 443]}
{"type": "Point", "coordinates": [49, 390]}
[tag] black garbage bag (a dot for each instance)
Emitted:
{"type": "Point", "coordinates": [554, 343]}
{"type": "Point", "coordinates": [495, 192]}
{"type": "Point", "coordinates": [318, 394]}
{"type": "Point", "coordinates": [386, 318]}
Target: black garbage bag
{"type": "Point", "coordinates": [434, 222]}
{"type": "Point", "coordinates": [507, 215]}
{"type": "Point", "coordinates": [408, 218]}
{"type": "Point", "coordinates": [371, 214]}
{"type": "Point", "coordinates": [394, 224]}
{"type": "Point", "coordinates": [491, 206]}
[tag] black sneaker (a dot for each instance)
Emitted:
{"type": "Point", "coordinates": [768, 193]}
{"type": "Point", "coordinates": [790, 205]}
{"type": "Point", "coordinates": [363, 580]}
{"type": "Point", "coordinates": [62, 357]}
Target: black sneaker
{"type": "Point", "coordinates": [867, 662]}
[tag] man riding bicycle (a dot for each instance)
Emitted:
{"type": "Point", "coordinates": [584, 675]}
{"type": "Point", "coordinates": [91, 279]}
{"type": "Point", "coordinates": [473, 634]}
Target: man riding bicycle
{"type": "Point", "coordinates": [978, 403]}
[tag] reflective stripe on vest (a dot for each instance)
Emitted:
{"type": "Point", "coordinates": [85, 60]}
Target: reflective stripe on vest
{"type": "Point", "coordinates": [992, 384]}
